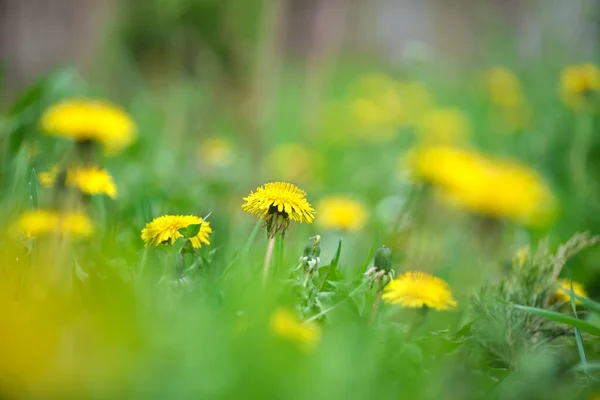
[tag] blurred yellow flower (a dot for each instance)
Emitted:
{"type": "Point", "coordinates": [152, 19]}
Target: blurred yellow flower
{"type": "Point", "coordinates": [578, 83]}
{"type": "Point", "coordinates": [415, 289]}
{"type": "Point", "coordinates": [521, 256]}
{"type": "Point", "coordinates": [494, 188]}
{"type": "Point", "coordinates": [86, 120]}
{"type": "Point", "coordinates": [503, 88]}
{"type": "Point", "coordinates": [338, 212]}
{"type": "Point", "coordinates": [277, 203]}
{"type": "Point", "coordinates": [292, 162]}
{"type": "Point", "coordinates": [443, 126]}
{"type": "Point", "coordinates": [216, 152]}
{"type": "Point", "coordinates": [563, 293]}
{"type": "Point", "coordinates": [89, 180]}
{"type": "Point", "coordinates": [165, 230]}
{"type": "Point", "coordinates": [286, 325]}
{"type": "Point", "coordinates": [46, 222]}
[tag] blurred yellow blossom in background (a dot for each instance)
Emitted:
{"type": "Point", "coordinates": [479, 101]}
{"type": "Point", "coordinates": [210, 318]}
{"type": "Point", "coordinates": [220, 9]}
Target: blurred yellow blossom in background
{"type": "Point", "coordinates": [89, 180]}
{"type": "Point", "coordinates": [444, 126]}
{"type": "Point", "coordinates": [292, 162]}
{"type": "Point", "coordinates": [503, 87]}
{"type": "Point", "coordinates": [216, 152]}
{"type": "Point", "coordinates": [578, 83]}
{"type": "Point", "coordinates": [286, 325]}
{"type": "Point", "coordinates": [563, 293]}
{"type": "Point", "coordinates": [495, 188]}
{"type": "Point", "coordinates": [416, 289]}
{"type": "Point", "coordinates": [92, 120]}
{"type": "Point", "coordinates": [340, 212]}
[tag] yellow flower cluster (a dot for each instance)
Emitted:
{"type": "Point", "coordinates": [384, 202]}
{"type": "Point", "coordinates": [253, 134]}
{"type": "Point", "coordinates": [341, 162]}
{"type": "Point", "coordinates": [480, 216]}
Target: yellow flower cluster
{"type": "Point", "coordinates": [563, 293]}
{"type": "Point", "coordinates": [47, 222]}
{"type": "Point", "coordinates": [165, 229]}
{"type": "Point", "coordinates": [505, 92]}
{"type": "Point", "coordinates": [339, 212]}
{"type": "Point", "coordinates": [495, 188]}
{"type": "Point", "coordinates": [415, 289]}
{"type": "Point", "coordinates": [578, 83]}
{"type": "Point", "coordinates": [86, 120]}
{"type": "Point", "coordinates": [89, 180]}
{"type": "Point", "coordinates": [286, 325]}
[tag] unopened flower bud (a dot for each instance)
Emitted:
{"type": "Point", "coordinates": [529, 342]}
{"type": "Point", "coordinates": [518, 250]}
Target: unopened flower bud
{"type": "Point", "coordinates": [383, 258]}
{"type": "Point", "coordinates": [312, 247]}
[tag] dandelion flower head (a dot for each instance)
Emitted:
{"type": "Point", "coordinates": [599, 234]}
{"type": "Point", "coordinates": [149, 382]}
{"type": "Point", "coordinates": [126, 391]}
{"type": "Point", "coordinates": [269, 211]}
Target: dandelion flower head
{"type": "Point", "coordinates": [415, 289]}
{"type": "Point", "coordinates": [286, 325]}
{"type": "Point", "coordinates": [563, 293]}
{"type": "Point", "coordinates": [86, 120]}
{"type": "Point", "coordinates": [165, 229]}
{"type": "Point", "coordinates": [277, 203]}
{"type": "Point", "coordinates": [47, 222]}
{"type": "Point", "coordinates": [339, 212]}
{"type": "Point", "coordinates": [89, 180]}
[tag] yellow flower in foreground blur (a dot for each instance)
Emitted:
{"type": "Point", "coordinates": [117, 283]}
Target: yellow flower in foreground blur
{"type": "Point", "coordinates": [286, 325]}
{"type": "Point", "coordinates": [503, 88]}
{"type": "Point", "coordinates": [578, 83]}
{"type": "Point", "coordinates": [291, 162]}
{"type": "Point", "coordinates": [415, 289]}
{"type": "Point", "coordinates": [216, 152]}
{"type": "Point", "coordinates": [165, 229]}
{"type": "Point", "coordinates": [563, 293]}
{"type": "Point", "coordinates": [89, 180]}
{"type": "Point", "coordinates": [338, 212]}
{"type": "Point", "coordinates": [495, 188]}
{"type": "Point", "coordinates": [444, 125]}
{"type": "Point", "coordinates": [86, 120]}
{"type": "Point", "coordinates": [277, 203]}
{"type": "Point", "coordinates": [47, 222]}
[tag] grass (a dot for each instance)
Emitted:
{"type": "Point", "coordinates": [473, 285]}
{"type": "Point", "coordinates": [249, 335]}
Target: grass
{"type": "Point", "coordinates": [105, 317]}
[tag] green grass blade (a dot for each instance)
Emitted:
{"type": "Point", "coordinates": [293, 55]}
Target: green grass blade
{"type": "Point", "coordinates": [33, 190]}
{"type": "Point", "coordinates": [564, 319]}
{"type": "Point", "coordinates": [590, 304]}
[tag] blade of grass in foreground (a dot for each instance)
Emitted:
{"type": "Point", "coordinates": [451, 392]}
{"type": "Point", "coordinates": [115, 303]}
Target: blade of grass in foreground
{"type": "Point", "coordinates": [245, 252]}
{"type": "Point", "coordinates": [564, 319]}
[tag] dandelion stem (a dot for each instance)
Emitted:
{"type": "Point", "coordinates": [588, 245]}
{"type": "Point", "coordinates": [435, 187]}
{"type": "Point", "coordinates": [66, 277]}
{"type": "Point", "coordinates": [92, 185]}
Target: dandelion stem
{"type": "Point", "coordinates": [579, 151]}
{"type": "Point", "coordinates": [268, 255]}
{"type": "Point", "coordinates": [376, 303]}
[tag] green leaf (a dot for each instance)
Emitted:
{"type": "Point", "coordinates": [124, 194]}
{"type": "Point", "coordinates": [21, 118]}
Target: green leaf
{"type": "Point", "coordinates": [564, 319]}
{"type": "Point", "coordinates": [590, 304]}
{"type": "Point", "coordinates": [190, 231]}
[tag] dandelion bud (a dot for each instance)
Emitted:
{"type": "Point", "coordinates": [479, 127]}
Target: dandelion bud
{"type": "Point", "coordinates": [383, 258]}
{"type": "Point", "coordinates": [312, 247]}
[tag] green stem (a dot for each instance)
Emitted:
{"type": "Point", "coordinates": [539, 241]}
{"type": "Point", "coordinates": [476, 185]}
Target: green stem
{"type": "Point", "coordinates": [268, 255]}
{"type": "Point", "coordinates": [579, 151]}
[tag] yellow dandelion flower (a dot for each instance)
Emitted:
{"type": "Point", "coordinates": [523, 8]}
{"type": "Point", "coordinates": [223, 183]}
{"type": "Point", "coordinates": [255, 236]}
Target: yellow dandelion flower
{"type": "Point", "coordinates": [46, 222]}
{"type": "Point", "coordinates": [415, 289]}
{"type": "Point", "coordinates": [286, 325]}
{"type": "Point", "coordinates": [277, 203]}
{"type": "Point", "coordinates": [563, 293]}
{"type": "Point", "coordinates": [338, 212]}
{"type": "Point", "coordinates": [86, 120]}
{"type": "Point", "coordinates": [89, 180]}
{"type": "Point", "coordinates": [503, 88]}
{"type": "Point", "coordinates": [496, 188]}
{"type": "Point", "coordinates": [291, 162]}
{"type": "Point", "coordinates": [444, 125]}
{"type": "Point", "coordinates": [216, 152]}
{"type": "Point", "coordinates": [165, 229]}
{"type": "Point", "coordinates": [578, 83]}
